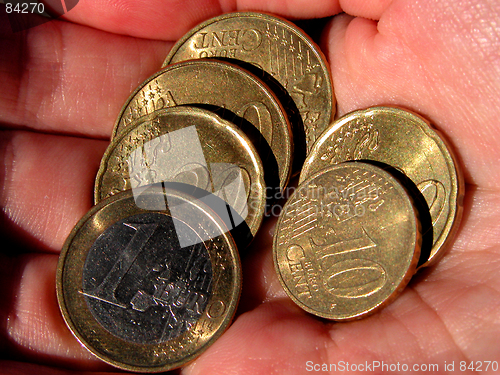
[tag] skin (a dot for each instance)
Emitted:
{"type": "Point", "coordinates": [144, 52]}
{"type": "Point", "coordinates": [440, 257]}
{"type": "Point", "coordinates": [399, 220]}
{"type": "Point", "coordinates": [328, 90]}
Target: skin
{"type": "Point", "coordinates": [63, 83]}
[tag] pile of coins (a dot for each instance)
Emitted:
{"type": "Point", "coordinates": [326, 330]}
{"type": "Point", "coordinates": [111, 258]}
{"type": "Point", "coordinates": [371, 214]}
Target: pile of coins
{"type": "Point", "coordinates": [151, 276]}
{"type": "Point", "coordinates": [379, 197]}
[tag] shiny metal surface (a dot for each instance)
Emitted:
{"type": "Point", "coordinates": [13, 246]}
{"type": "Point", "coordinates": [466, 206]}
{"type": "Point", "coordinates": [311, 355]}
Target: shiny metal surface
{"type": "Point", "coordinates": [134, 295]}
{"type": "Point", "coordinates": [187, 145]}
{"type": "Point", "coordinates": [276, 46]}
{"type": "Point", "coordinates": [405, 141]}
{"type": "Point", "coordinates": [241, 97]}
{"type": "Point", "coordinates": [347, 242]}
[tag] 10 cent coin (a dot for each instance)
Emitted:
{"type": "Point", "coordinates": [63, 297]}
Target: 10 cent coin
{"type": "Point", "coordinates": [405, 141]}
{"type": "Point", "coordinates": [347, 242]}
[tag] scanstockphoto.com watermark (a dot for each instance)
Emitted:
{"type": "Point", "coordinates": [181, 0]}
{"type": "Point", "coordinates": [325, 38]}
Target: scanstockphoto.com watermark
{"type": "Point", "coordinates": [322, 192]}
{"type": "Point", "coordinates": [338, 211]}
{"type": "Point", "coordinates": [26, 14]}
{"type": "Point", "coordinates": [398, 367]}
{"type": "Point", "coordinates": [341, 204]}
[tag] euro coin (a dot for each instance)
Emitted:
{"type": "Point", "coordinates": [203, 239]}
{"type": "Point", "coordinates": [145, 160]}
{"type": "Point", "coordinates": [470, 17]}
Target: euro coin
{"type": "Point", "coordinates": [276, 46]}
{"type": "Point", "coordinates": [148, 289]}
{"type": "Point", "coordinates": [192, 146]}
{"type": "Point", "coordinates": [222, 85]}
{"type": "Point", "coordinates": [347, 241]}
{"type": "Point", "coordinates": [406, 141]}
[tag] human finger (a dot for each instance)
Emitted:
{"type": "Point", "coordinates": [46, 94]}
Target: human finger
{"type": "Point", "coordinates": [169, 20]}
{"type": "Point", "coordinates": [31, 326]}
{"type": "Point", "coordinates": [47, 186]}
{"type": "Point", "coordinates": [429, 63]}
{"type": "Point", "coordinates": [70, 79]}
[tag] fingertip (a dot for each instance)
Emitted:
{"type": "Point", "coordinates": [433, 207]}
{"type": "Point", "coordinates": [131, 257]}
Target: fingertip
{"type": "Point", "coordinates": [348, 42]}
{"type": "Point", "coordinates": [169, 20]}
{"type": "Point", "coordinates": [332, 38]}
{"type": "Point", "coordinates": [160, 20]}
{"type": "Point", "coordinates": [295, 9]}
{"type": "Point", "coordinates": [371, 9]}
{"type": "Point", "coordinates": [368, 66]}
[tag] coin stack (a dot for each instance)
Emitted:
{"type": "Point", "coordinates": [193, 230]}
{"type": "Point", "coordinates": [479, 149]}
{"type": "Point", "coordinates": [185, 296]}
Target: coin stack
{"type": "Point", "coordinates": [150, 277]}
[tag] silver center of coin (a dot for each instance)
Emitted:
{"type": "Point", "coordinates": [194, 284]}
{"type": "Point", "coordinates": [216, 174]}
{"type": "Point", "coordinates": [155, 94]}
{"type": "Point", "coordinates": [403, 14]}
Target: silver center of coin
{"type": "Point", "coordinates": [141, 285]}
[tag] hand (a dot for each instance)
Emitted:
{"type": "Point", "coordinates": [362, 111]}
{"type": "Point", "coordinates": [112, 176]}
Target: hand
{"type": "Point", "coordinates": [63, 83]}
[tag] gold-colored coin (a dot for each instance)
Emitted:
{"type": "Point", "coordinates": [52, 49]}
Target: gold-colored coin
{"type": "Point", "coordinates": [187, 145]}
{"type": "Point", "coordinates": [407, 142]}
{"type": "Point", "coordinates": [224, 85]}
{"type": "Point", "coordinates": [147, 283]}
{"type": "Point", "coordinates": [278, 47]}
{"type": "Point", "coordinates": [347, 241]}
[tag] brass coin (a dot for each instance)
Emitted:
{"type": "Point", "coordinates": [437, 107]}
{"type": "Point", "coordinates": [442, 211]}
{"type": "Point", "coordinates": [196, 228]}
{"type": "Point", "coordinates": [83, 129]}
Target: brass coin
{"type": "Point", "coordinates": [225, 85]}
{"type": "Point", "coordinates": [347, 241]}
{"type": "Point", "coordinates": [148, 290]}
{"type": "Point", "coordinates": [405, 141]}
{"type": "Point", "coordinates": [278, 47]}
{"type": "Point", "coordinates": [192, 146]}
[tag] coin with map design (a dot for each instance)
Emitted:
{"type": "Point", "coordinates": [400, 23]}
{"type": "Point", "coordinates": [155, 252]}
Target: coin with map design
{"type": "Point", "coordinates": [187, 145]}
{"type": "Point", "coordinates": [234, 93]}
{"type": "Point", "coordinates": [406, 141]}
{"type": "Point", "coordinates": [279, 48]}
{"type": "Point", "coordinates": [149, 289]}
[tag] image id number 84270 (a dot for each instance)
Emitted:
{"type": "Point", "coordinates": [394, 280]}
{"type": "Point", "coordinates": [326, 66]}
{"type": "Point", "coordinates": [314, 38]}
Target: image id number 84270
{"type": "Point", "coordinates": [25, 8]}
{"type": "Point", "coordinates": [478, 366]}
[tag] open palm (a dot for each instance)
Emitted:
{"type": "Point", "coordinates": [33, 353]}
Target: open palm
{"type": "Point", "coordinates": [63, 83]}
